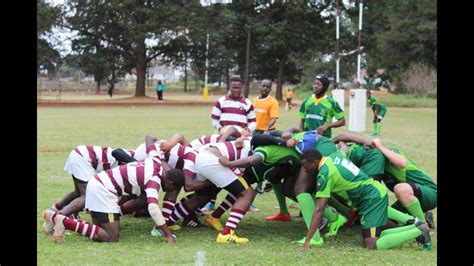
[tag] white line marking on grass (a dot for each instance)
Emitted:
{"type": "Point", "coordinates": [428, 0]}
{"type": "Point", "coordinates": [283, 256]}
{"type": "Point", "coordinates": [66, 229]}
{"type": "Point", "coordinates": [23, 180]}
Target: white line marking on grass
{"type": "Point", "coordinates": [408, 147]}
{"type": "Point", "coordinates": [200, 258]}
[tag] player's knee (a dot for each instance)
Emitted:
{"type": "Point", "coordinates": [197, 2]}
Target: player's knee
{"type": "Point", "coordinates": [370, 242]}
{"type": "Point", "coordinates": [402, 190]}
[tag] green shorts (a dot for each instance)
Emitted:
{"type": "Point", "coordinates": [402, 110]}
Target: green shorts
{"type": "Point", "coordinates": [373, 162]}
{"type": "Point", "coordinates": [429, 198]}
{"type": "Point", "coordinates": [383, 111]}
{"type": "Point", "coordinates": [373, 212]}
{"type": "Point", "coordinates": [325, 146]}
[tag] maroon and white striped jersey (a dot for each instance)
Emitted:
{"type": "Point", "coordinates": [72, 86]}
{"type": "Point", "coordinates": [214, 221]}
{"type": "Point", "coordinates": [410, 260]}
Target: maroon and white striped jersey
{"type": "Point", "coordinates": [181, 157]}
{"type": "Point", "coordinates": [134, 177]}
{"type": "Point", "coordinates": [196, 144]}
{"type": "Point", "coordinates": [100, 157]}
{"type": "Point", "coordinates": [228, 111]}
{"type": "Point", "coordinates": [232, 153]}
{"type": "Point", "coordinates": [141, 152]}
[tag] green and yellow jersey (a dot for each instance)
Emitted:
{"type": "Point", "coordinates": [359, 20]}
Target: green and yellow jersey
{"type": "Point", "coordinates": [374, 102]}
{"type": "Point", "coordinates": [411, 173]}
{"type": "Point", "coordinates": [370, 161]}
{"type": "Point", "coordinates": [318, 112]}
{"type": "Point", "coordinates": [272, 155]}
{"type": "Point", "coordinates": [340, 176]}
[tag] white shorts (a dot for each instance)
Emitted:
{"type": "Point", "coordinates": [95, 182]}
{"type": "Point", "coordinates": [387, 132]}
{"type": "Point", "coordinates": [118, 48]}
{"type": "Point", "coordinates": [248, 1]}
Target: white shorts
{"type": "Point", "coordinates": [79, 167]}
{"type": "Point", "coordinates": [208, 167]}
{"type": "Point", "coordinates": [99, 199]}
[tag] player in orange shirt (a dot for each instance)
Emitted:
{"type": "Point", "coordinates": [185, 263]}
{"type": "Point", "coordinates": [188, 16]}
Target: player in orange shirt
{"type": "Point", "coordinates": [266, 108]}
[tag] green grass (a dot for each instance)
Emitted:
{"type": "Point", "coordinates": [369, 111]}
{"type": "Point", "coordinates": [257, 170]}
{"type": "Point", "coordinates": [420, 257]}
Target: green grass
{"type": "Point", "coordinates": [61, 129]}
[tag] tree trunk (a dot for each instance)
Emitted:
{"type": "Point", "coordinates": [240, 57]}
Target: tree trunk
{"type": "Point", "coordinates": [279, 87]}
{"type": "Point", "coordinates": [227, 79]}
{"type": "Point", "coordinates": [220, 79]}
{"type": "Point", "coordinates": [98, 86]}
{"type": "Point", "coordinates": [140, 56]}
{"type": "Point", "coordinates": [186, 75]}
{"type": "Point", "coordinates": [247, 64]}
{"type": "Point", "coordinates": [196, 80]}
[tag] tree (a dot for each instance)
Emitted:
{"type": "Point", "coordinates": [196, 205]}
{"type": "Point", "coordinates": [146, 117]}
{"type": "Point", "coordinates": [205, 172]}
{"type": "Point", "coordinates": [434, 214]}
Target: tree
{"type": "Point", "coordinates": [288, 34]}
{"type": "Point", "coordinates": [139, 29]}
{"type": "Point", "coordinates": [48, 57]}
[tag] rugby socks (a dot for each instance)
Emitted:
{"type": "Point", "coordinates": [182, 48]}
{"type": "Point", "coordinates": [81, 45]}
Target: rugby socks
{"type": "Point", "coordinates": [340, 207]}
{"type": "Point", "coordinates": [181, 210]}
{"type": "Point", "coordinates": [377, 128]}
{"type": "Point", "coordinates": [415, 209]}
{"type": "Point", "coordinates": [330, 214]}
{"type": "Point", "coordinates": [168, 208]}
{"type": "Point", "coordinates": [225, 205]}
{"type": "Point", "coordinates": [307, 206]}
{"type": "Point", "coordinates": [55, 207]}
{"type": "Point", "coordinates": [83, 228]}
{"type": "Point", "coordinates": [394, 237]}
{"type": "Point", "coordinates": [398, 216]}
{"type": "Point", "coordinates": [233, 220]}
{"type": "Point", "coordinates": [277, 188]}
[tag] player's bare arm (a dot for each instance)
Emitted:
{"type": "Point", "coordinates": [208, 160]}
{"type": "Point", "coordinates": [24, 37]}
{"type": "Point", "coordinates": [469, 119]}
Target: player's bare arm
{"type": "Point", "coordinates": [315, 220]}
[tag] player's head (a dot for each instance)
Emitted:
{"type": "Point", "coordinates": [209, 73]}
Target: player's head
{"type": "Point", "coordinates": [310, 160]}
{"type": "Point", "coordinates": [235, 87]}
{"type": "Point", "coordinates": [320, 84]}
{"type": "Point", "coordinates": [174, 180]}
{"type": "Point", "coordinates": [265, 87]}
{"type": "Point", "coordinates": [368, 93]}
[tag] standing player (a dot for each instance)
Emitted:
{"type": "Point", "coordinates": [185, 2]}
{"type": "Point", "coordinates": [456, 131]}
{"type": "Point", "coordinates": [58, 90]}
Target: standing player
{"type": "Point", "coordinates": [266, 108]}
{"type": "Point", "coordinates": [379, 112]}
{"type": "Point", "coordinates": [336, 174]}
{"type": "Point", "coordinates": [317, 111]}
{"type": "Point", "coordinates": [104, 190]}
{"type": "Point", "coordinates": [289, 97]}
{"type": "Point", "coordinates": [234, 109]}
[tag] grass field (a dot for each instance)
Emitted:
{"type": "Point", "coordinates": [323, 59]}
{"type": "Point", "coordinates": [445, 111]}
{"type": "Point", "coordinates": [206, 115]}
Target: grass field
{"type": "Point", "coordinates": [61, 129]}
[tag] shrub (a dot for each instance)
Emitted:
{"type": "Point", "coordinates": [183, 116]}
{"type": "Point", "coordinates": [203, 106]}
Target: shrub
{"type": "Point", "coordinates": [420, 80]}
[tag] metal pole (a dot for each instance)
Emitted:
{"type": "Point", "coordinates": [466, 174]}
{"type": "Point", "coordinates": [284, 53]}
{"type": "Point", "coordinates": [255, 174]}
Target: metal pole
{"type": "Point", "coordinates": [337, 42]}
{"type": "Point", "coordinates": [207, 61]}
{"type": "Point", "coordinates": [361, 6]}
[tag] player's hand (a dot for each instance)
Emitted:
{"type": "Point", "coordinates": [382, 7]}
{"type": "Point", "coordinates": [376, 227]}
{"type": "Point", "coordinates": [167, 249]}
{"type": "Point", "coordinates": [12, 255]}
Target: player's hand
{"type": "Point", "coordinates": [322, 129]}
{"type": "Point", "coordinates": [291, 143]}
{"type": "Point", "coordinates": [239, 143]}
{"type": "Point", "coordinates": [306, 246]}
{"type": "Point", "coordinates": [369, 144]}
{"type": "Point", "coordinates": [165, 146]}
{"type": "Point", "coordinates": [286, 135]}
{"type": "Point", "coordinates": [224, 161]}
{"type": "Point", "coordinates": [377, 143]}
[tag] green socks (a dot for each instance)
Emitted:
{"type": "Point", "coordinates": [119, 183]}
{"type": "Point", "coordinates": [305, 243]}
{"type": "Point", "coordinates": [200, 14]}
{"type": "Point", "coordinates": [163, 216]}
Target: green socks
{"type": "Point", "coordinates": [393, 239]}
{"type": "Point", "coordinates": [415, 209]}
{"type": "Point", "coordinates": [307, 206]}
{"type": "Point", "coordinates": [330, 214]}
{"type": "Point", "coordinates": [341, 208]}
{"type": "Point", "coordinates": [277, 188]}
{"type": "Point", "coordinates": [377, 127]}
{"type": "Point", "coordinates": [398, 216]}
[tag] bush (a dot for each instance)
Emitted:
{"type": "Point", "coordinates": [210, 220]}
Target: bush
{"type": "Point", "coordinates": [420, 80]}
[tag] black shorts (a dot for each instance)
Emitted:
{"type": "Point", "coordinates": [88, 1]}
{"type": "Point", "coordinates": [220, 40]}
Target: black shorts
{"type": "Point", "coordinates": [209, 191]}
{"type": "Point", "coordinates": [105, 218]}
{"type": "Point", "coordinates": [78, 180]}
{"type": "Point", "coordinates": [237, 186]}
